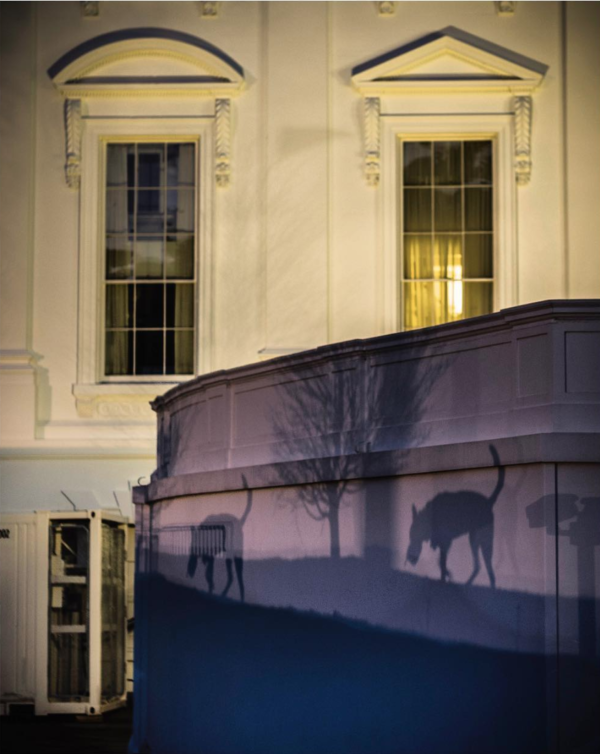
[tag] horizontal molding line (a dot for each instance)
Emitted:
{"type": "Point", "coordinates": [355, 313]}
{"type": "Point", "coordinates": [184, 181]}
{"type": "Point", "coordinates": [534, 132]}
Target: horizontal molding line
{"type": "Point", "coordinates": [77, 454]}
{"type": "Point", "coordinates": [147, 117]}
{"type": "Point", "coordinates": [563, 448]}
{"type": "Point", "coordinates": [440, 115]}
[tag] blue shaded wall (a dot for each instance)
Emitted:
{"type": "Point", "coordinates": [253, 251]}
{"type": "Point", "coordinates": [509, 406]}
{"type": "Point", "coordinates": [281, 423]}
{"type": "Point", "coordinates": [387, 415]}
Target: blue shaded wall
{"type": "Point", "coordinates": [276, 641]}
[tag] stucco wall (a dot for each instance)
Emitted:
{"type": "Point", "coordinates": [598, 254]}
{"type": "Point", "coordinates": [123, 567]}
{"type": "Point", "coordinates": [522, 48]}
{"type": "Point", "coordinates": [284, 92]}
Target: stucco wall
{"type": "Point", "coordinates": [297, 240]}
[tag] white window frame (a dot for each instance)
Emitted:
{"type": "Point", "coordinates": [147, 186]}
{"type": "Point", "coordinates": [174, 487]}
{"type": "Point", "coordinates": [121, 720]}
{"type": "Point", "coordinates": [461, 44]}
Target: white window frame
{"type": "Point", "coordinates": [97, 132]}
{"type": "Point", "coordinates": [496, 127]}
{"type": "Point", "coordinates": [197, 228]}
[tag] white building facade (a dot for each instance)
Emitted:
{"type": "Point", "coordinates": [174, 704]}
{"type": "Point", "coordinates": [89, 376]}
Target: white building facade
{"type": "Point", "coordinates": [296, 113]}
{"type": "Point", "coordinates": [190, 187]}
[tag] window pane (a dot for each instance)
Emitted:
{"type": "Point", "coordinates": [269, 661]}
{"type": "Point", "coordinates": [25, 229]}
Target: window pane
{"type": "Point", "coordinates": [478, 162]}
{"type": "Point", "coordinates": [120, 162]}
{"type": "Point", "coordinates": [119, 305]}
{"type": "Point", "coordinates": [150, 165]}
{"type": "Point", "coordinates": [180, 164]}
{"type": "Point", "coordinates": [149, 352]}
{"type": "Point", "coordinates": [447, 163]}
{"type": "Point", "coordinates": [478, 255]}
{"type": "Point", "coordinates": [418, 305]}
{"type": "Point", "coordinates": [478, 209]}
{"type": "Point", "coordinates": [180, 211]}
{"type": "Point", "coordinates": [417, 163]}
{"type": "Point", "coordinates": [417, 257]}
{"type": "Point", "coordinates": [119, 352]}
{"type": "Point", "coordinates": [448, 298]}
{"type": "Point", "coordinates": [139, 210]}
{"type": "Point", "coordinates": [149, 257]}
{"type": "Point", "coordinates": [448, 215]}
{"type": "Point", "coordinates": [150, 215]}
{"type": "Point", "coordinates": [119, 211]}
{"type": "Point", "coordinates": [180, 305]}
{"type": "Point", "coordinates": [180, 352]}
{"type": "Point", "coordinates": [119, 257]}
{"type": "Point", "coordinates": [180, 257]}
{"type": "Point", "coordinates": [478, 299]}
{"type": "Point", "coordinates": [459, 247]}
{"type": "Point", "coordinates": [149, 305]}
{"type": "Point", "coordinates": [447, 257]}
{"type": "Point", "coordinates": [417, 210]}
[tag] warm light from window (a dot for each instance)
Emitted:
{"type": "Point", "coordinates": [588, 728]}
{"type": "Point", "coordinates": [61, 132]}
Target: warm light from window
{"type": "Point", "coordinates": [456, 290]}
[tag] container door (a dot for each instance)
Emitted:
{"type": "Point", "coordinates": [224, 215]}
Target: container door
{"type": "Point", "coordinates": [113, 611]}
{"type": "Point", "coordinates": [68, 625]}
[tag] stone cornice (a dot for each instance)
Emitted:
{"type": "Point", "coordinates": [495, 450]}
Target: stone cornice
{"type": "Point", "coordinates": [527, 449]}
{"type": "Point", "coordinates": [407, 69]}
{"type": "Point", "coordinates": [449, 62]}
{"type": "Point", "coordinates": [525, 314]}
{"type": "Point", "coordinates": [100, 69]}
{"type": "Point", "coordinates": [104, 49]}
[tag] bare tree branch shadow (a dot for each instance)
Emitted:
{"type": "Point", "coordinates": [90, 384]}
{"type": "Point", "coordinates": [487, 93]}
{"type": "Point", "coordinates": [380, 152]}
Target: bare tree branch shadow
{"type": "Point", "coordinates": [338, 414]}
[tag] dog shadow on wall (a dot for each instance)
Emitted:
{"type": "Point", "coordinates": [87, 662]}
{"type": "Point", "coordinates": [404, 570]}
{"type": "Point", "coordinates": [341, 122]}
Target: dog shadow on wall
{"type": "Point", "coordinates": [450, 515]}
{"type": "Point", "coordinates": [220, 537]}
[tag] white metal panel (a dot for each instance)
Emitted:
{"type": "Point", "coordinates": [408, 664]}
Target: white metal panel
{"type": "Point", "coordinates": [18, 613]}
{"type": "Point", "coordinates": [24, 573]}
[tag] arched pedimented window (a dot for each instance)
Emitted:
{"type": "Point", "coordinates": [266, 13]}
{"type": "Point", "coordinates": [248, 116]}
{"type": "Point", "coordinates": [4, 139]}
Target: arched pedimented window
{"type": "Point", "coordinates": [148, 137]}
{"type": "Point", "coordinates": [448, 135]}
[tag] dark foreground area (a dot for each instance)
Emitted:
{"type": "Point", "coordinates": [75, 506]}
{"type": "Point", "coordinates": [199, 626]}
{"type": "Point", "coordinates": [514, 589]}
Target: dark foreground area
{"type": "Point", "coordinates": [226, 677]}
{"type": "Point", "coordinates": [66, 734]}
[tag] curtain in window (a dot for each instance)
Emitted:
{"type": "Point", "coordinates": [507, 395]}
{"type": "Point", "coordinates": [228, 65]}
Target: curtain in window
{"type": "Point", "coordinates": [116, 195]}
{"type": "Point", "coordinates": [117, 315]}
{"type": "Point", "coordinates": [184, 341]}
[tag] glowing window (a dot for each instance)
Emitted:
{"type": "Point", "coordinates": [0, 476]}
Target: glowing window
{"type": "Point", "coordinates": [150, 260]}
{"type": "Point", "coordinates": [447, 231]}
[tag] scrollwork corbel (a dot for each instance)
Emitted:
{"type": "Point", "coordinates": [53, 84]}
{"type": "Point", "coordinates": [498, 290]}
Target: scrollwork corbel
{"type": "Point", "coordinates": [223, 142]}
{"type": "Point", "coordinates": [505, 8]}
{"type": "Point", "coordinates": [523, 109]}
{"type": "Point", "coordinates": [372, 140]}
{"type": "Point", "coordinates": [386, 9]}
{"type": "Point", "coordinates": [209, 9]}
{"type": "Point", "coordinates": [90, 9]}
{"type": "Point", "coordinates": [73, 142]}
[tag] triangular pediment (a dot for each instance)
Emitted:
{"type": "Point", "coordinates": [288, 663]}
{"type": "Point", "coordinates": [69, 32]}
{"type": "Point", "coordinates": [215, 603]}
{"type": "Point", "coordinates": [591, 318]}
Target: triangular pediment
{"type": "Point", "coordinates": [448, 60]}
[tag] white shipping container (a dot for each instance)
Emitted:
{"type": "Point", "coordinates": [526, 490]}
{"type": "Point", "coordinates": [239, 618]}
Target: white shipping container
{"type": "Point", "coordinates": [63, 611]}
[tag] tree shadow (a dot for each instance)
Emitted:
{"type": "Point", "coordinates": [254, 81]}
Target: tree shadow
{"type": "Point", "coordinates": [338, 415]}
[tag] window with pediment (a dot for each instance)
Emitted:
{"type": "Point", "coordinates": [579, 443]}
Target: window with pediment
{"type": "Point", "coordinates": [447, 126]}
{"type": "Point", "coordinates": [148, 142]}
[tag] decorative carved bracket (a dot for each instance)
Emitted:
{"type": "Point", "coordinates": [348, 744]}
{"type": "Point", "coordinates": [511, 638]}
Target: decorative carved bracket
{"type": "Point", "coordinates": [223, 142]}
{"type": "Point", "coordinates": [209, 10]}
{"type": "Point", "coordinates": [73, 142]}
{"type": "Point", "coordinates": [90, 9]}
{"type": "Point", "coordinates": [386, 8]}
{"type": "Point", "coordinates": [372, 140]}
{"type": "Point", "coordinates": [523, 108]}
{"type": "Point", "coordinates": [505, 8]}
